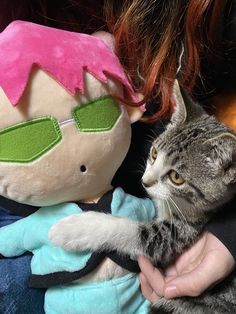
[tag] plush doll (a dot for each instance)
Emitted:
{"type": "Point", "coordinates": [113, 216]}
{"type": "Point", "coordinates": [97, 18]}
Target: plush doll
{"type": "Point", "coordinates": [64, 133]}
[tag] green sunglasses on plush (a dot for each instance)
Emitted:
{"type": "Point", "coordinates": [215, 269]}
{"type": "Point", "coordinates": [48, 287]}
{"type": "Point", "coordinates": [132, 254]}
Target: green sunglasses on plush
{"type": "Point", "coordinates": [27, 141]}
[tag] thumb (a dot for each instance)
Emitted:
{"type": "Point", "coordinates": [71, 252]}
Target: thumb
{"type": "Point", "coordinates": [193, 283]}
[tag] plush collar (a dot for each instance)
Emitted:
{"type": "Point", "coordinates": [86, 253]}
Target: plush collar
{"type": "Point", "coordinates": [17, 208]}
{"type": "Point", "coordinates": [24, 210]}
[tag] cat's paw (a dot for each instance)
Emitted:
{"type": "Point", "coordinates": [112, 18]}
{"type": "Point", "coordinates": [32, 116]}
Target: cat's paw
{"type": "Point", "coordinates": [80, 232]}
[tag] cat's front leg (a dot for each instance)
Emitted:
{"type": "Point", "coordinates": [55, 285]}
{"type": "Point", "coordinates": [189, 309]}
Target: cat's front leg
{"type": "Point", "coordinates": [97, 232]}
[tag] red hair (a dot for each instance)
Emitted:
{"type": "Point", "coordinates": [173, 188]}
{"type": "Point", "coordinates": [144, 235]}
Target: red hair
{"type": "Point", "coordinates": [149, 38]}
{"type": "Point", "coordinates": [149, 35]}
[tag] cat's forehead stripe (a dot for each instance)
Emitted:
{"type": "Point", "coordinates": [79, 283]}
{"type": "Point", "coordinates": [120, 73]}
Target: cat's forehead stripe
{"type": "Point", "coordinates": [175, 160]}
{"type": "Point", "coordinates": [191, 134]}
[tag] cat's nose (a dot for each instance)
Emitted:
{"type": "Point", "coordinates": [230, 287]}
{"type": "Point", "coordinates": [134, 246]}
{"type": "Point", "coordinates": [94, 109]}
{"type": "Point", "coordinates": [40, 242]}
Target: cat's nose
{"type": "Point", "coordinates": [149, 183]}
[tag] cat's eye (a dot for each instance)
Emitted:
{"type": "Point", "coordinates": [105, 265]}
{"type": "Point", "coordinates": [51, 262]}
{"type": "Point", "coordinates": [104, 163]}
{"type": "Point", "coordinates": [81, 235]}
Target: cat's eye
{"type": "Point", "coordinates": [153, 154]}
{"type": "Point", "coordinates": [175, 177]}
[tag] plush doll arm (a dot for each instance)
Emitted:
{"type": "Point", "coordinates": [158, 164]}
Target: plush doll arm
{"type": "Point", "coordinates": [12, 239]}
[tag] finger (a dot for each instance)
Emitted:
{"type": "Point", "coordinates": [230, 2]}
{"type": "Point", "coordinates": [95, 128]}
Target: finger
{"type": "Point", "coordinates": [147, 290]}
{"type": "Point", "coordinates": [194, 282]}
{"type": "Point", "coordinates": [153, 275]}
{"type": "Point", "coordinates": [170, 272]}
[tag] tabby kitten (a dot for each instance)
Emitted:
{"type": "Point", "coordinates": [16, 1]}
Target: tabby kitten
{"type": "Point", "coordinates": [190, 173]}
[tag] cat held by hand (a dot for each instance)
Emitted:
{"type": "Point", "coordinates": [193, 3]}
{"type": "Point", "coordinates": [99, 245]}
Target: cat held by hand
{"type": "Point", "coordinates": [190, 174]}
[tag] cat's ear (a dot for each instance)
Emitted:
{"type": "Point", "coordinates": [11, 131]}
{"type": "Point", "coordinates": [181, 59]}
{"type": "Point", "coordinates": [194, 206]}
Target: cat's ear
{"type": "Point", "coordinates": [180, 114]}
{"type": "Point", "coordinates": [185, 108]}
{"type": "Point", "coordinates": [222, 158]}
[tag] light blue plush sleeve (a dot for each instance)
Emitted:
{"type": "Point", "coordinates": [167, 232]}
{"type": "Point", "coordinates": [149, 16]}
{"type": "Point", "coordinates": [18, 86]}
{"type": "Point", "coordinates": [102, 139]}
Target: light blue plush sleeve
{"type": "Point", "coordinates": [129, 206]}
{"type": "Point", "coordinates": [12, 238]}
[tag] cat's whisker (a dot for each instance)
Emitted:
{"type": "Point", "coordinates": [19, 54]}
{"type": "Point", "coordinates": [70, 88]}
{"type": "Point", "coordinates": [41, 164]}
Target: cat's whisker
{"type": "Point", "coordinates": [142, 167]}
{"type": "Point", "coordinates": [171, 216]}
{"type": "Point", "coordinates": [153, 133]}
{"type": "Point", "coordinates": [157, 128]}
{"type": "Point", "coordinates": [163, 209]}
{"type": "Point", "coordinates": [178, 210]}
{"type": "Point", "coordinates": [150, 138]}
{"type": "Point", "coordinates": [172, 223]}
{"type": "Point", "coordinates": [138, 171]}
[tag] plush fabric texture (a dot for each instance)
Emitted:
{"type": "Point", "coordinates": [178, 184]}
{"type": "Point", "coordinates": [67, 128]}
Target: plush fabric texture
{"type": "Point", "coordinates": [102, 297]}
{"type": "Point", "coordinates": [51, 73]}
{"type": "Point", "coordinates": [63, 277]}
{"type": "Point", "coordinates": [98, 115]}
{"type": "Point", "coordinates": [31, 234]}
{"type": "Point", "coordinates": [45, 97]}
{"type": "Point", "coordinates": [27, 142]}
{"type": "Point", "coordinates": [21, 48]}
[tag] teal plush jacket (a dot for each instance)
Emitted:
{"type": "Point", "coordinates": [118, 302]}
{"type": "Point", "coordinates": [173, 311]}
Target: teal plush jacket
{"type": "Point", "coordinates": [120, 295]}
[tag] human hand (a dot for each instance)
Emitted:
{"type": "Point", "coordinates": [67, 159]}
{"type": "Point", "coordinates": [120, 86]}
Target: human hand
{"type": "Point", "coordinates": [207, 262]}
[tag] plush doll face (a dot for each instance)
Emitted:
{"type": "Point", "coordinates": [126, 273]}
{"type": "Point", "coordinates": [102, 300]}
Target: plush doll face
{"type": "Point", "coordinates": [56, 146]}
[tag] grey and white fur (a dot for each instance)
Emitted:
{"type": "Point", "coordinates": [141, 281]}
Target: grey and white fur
{"type": "Point", "coordinates": [190, 174]}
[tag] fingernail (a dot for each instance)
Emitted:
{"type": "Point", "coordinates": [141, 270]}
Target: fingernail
{"type": "Point", "coordinates": [170, 292]}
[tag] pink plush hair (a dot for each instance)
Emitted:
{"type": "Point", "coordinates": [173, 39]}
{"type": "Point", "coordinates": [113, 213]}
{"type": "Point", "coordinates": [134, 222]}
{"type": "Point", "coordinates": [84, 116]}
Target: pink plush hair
{"type": "Point", "coordinates": [63, 55]}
